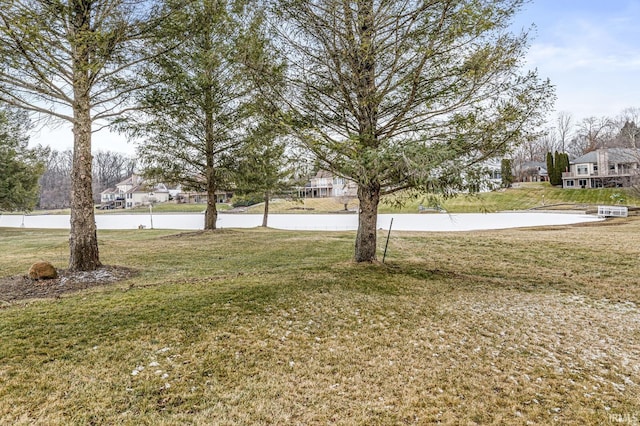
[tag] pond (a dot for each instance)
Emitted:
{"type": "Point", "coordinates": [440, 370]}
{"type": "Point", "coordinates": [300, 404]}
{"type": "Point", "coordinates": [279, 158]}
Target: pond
{"type": "Point", "coordinates": [311, 222]}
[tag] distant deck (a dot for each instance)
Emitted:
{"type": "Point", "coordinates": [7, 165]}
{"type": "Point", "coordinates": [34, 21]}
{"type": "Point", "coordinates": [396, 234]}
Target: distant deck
{"type": "Point", "coordinates": [613, 211]}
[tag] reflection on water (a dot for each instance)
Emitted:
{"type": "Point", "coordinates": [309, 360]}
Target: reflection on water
{"type": "Point", "coordinates": [311, 222]}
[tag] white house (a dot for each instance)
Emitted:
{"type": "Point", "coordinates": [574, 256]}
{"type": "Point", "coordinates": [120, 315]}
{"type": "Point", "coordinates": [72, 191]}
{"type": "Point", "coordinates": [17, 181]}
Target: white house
{"type": "Point", "coordinates": [143, 195]}
{"type": "Point", "coordinates": [115, 197]}
{"type": "Point", "coordinates": [134, 192]}
{"type": "Point", "coordinates": [326, 184]}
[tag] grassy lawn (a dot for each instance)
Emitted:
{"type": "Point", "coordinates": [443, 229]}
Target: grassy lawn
{"type": "Point", "coordinates": [527, 196]}
{"type": "Point", "coordinates": [157, 208]}
{"type": "Point", "coordinates": [526, 326]}
{"type": "Point", "coordinates": [167, 208]}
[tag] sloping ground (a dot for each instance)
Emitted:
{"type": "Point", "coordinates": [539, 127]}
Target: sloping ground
{"type": "Point", "coordinates": [524, 197]}
{"type": "Point", "coordinates": [530, 326]}
{"type": "Point", "coordinates": [341, 356]}
{"type": "Point", "coordinates": [561, 354]}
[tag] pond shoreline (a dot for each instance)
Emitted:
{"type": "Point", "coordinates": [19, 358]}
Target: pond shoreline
{"type": "Point", "coordinates": [434, 222]}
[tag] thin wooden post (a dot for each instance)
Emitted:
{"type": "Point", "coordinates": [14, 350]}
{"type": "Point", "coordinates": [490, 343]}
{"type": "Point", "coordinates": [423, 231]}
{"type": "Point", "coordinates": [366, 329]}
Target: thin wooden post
{"type": "Point", "coordinates": [387, 243]}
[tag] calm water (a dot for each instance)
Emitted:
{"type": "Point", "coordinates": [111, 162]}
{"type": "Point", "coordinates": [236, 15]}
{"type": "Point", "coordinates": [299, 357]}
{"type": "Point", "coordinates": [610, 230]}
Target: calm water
{"type": "Point", "coordinates": [311, 222]}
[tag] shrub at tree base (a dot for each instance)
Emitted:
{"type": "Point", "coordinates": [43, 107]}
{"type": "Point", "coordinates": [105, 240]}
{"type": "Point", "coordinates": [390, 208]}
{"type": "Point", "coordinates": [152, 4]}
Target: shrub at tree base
{"type": "Point", "coordinates": [246, 200]}
{"type": "Point", "coordinates": [42, 271]}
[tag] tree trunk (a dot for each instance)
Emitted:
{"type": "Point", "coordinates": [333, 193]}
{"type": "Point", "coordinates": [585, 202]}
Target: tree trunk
{"type": "Point", "coordinates": [83, 238]}
{"type": "Point", "coordinates": [265, 215]}
{"type": "Point", "coordinates": [211, 215]}
{"type": "Point", "coordinates": [368, 193]}
{"type": "Point", "coordinates": [369, 197]}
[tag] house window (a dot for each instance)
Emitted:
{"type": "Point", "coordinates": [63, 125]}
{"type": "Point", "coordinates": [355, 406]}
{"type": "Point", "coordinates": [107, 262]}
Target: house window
{"type": "Point", "coordinates": [569, 183]}
{"type": "Point", "coordinates": [583, 169]}
{"type": "Point", "coordinates": [582, 183]}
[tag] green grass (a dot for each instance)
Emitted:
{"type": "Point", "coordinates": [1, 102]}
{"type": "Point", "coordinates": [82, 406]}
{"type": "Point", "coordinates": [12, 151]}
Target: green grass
{"type": "Point", "coordinates": [167, 208]}
{"type": "Point", "coordinates": [527, 196]}
{"type": "Point", "coordinates": [278, 327]}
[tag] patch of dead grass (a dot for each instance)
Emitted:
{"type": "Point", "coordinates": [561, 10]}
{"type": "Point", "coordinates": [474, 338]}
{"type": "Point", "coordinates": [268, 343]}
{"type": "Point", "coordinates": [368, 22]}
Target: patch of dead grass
{"type": "Point", "coordinates": [509, 327]}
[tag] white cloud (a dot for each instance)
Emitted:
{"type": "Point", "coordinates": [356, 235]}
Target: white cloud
{"type": "Point", "coordinates": [581, 57]}
{"type": "Point", "coordinates": [592, 57]}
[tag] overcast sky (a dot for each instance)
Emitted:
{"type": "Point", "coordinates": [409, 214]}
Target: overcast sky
{"type": "Point", "coordinates": [590, 49]}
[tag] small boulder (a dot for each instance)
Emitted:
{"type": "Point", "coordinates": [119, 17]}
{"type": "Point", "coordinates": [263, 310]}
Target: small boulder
{"type": "Point", "coordinates": [42, 271]}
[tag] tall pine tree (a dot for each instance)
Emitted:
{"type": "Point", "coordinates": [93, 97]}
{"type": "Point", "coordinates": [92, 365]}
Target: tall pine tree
{"type": "Point", "coordinates": [69, 60]}
{"type": "Point", "coordinates": [399, 95]}
{"type": "Point", "coordinates": [198, 109]}
{"type": "Point", "coordinates": [557, 164]}
{"type": "Point", "coordinates": [20, 167]}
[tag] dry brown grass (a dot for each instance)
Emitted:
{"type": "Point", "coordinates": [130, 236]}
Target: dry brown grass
{"type": "Point", "coordinates": [535, 326]}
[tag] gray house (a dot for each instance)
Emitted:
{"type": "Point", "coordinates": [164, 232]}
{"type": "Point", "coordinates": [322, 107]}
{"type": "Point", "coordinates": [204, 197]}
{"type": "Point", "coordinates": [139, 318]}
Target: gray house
{"type": "Point", "coordinates": [603, 168]}
{"type": "Point", "coordinates": [531, 171]}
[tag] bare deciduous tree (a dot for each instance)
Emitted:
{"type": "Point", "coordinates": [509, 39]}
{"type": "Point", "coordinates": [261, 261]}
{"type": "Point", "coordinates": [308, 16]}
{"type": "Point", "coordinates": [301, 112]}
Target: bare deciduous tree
{"type": "Point", "coordinates": [109, 168]}
{"type": "Point", "coordinates": [55, 183]}
{"type": "Point", "coordinates": [629, 132]}
{"type": "Point", "coordinates": [564, 123]}
{"type": "Point", "coordinates": [592, 133]}
{"type": "Point", "coordinates": [547, 142]}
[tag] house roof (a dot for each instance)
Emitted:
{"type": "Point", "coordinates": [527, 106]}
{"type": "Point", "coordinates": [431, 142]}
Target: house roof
{"type": "Point", "coordinates": [160, 188]}
{"type": "Point", "coordinates": [127, 181]}
{"type": "Point", "coordinates": [589, 157]}
{"type": "Point", "coordinates": [541, 167]}
{"type": "Point", "coordinates": [616, 155]}
{"type": "Point", "coordinates": [131, 180]}
{"type": "Point", "coordinates": [323, 174]}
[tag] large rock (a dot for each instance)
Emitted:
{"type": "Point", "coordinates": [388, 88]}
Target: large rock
{"type": "Point", "coordinates": [42, 271]}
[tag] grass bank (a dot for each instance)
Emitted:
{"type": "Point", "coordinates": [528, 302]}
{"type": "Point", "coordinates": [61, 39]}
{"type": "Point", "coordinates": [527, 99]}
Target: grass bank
{"type": "Point", "coordinates": [523, 197]}
{"type": "Point", "coordinates": [172, 208]}
{"type": "Point", "coordinates": [272, 327]}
